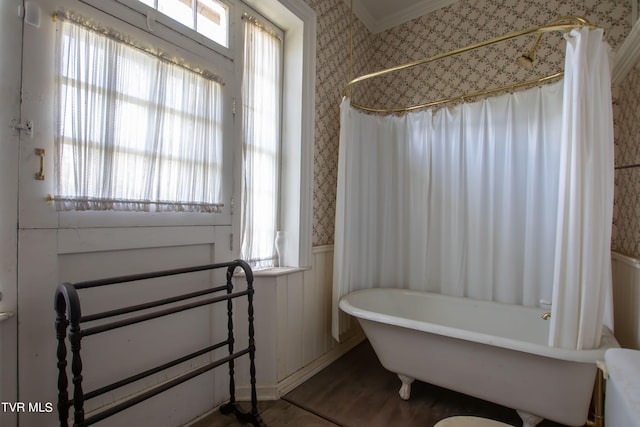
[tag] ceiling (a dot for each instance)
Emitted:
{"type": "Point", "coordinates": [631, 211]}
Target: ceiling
{"type": "Point", "coordinates": [380, 15]}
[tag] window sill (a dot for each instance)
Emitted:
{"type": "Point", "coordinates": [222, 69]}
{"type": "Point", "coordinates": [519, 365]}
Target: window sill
{"type": "Point", "coordinates": [279, 271]}
{"type": "Point", "coordinates": [274, 271]}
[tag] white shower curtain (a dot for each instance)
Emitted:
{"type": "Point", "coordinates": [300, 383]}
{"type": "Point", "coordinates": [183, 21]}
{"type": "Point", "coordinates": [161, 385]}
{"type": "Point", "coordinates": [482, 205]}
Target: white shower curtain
{"type": "Point", "coordinates": [582, 299]}
{"type": "Point", "coordinates": [460, 201]}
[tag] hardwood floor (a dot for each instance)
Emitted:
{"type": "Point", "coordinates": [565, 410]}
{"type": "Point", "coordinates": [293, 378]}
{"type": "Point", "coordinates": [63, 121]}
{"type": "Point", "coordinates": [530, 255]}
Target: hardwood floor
{"type": "Point", "coordinates": [274, 413]}
{"type": "Point", "coordinates": [357, 391]}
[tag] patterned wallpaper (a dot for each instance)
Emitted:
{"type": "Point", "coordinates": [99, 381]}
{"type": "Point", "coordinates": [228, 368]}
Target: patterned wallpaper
{"type": "Point", "coordinates": [626, 207]}
{"type": "Point", "coordinates": [465, 22]}
{"type": "Point", "coordinates": [472, 21]}
{"type": "Point", "coordinates": [332, 75]}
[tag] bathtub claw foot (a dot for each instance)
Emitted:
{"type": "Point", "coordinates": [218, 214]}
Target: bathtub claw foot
{"type": "Point", "coordinates": [405, 389]}
{"type": "Point", "coordinates": [529, 420]}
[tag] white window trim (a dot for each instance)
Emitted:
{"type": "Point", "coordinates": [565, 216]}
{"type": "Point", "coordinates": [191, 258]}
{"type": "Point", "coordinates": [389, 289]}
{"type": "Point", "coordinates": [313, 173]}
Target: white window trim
{"type": "Point", "coordinates": [298, 21]}
{"type": "Point", "coordinates": [150, 20]}
{"type": "Point", "coordinates": [116, 15]}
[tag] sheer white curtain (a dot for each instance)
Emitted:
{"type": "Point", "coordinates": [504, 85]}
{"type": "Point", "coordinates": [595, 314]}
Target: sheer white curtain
{"type": "Point", "coordinates": [261, 92]}
{"type": "Point", "coordinates": [460, 201]}
{"type": "Point", "coordinates": [134, 132]}
{"type": "Point", "coordinates": [582, 299]}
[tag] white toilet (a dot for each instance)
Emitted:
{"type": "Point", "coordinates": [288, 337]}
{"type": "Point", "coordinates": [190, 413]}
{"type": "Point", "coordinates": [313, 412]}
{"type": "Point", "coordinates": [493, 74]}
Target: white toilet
{"type": "Point", "coordinates": [622, 401]}
{"type": "Point", "coordinates": [465, 421]}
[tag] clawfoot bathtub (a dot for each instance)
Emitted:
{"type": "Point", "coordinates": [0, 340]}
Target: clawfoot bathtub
{"type": "Point", "coordinates": [492, 351]}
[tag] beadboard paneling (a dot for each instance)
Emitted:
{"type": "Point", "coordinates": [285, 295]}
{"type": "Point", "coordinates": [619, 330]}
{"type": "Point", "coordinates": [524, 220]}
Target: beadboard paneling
{"type": "Point", "coordinates": [626, 299]}
{"type": "Point", "coordinates": [293, 326]}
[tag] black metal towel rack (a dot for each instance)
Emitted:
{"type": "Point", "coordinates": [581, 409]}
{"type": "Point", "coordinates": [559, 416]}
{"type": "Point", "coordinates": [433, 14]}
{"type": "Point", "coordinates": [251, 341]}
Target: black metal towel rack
{"type": "Point", "coordinates": [69, 320]}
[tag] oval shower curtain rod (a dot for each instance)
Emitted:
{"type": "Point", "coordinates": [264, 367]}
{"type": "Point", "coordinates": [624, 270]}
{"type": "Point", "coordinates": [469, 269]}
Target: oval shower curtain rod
{"type": "Point", "coordinates": [564, 23]}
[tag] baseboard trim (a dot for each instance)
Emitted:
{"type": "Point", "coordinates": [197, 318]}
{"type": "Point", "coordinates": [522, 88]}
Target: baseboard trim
{"type": "Point", "coordinates": [264, 392]}
{"type": "Point", "coordinates": [274, 392]}
{"type": "Point", "coordinates": [302, 375]}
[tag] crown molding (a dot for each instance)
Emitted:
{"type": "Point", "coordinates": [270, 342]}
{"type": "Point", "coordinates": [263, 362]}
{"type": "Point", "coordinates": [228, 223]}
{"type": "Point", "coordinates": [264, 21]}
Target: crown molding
{"type": "Point", "coordinates": [417, 10]}
{"type": "Point", "coordinates": [363, 14]}
{"type": "Point", "coordinates": [627, 55]}
{"type": "Point", "coordinates": [378, 25]}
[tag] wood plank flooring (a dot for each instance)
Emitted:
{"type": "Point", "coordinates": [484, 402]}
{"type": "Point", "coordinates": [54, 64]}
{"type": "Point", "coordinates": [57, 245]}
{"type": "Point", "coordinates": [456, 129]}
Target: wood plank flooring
{"type": "Point", "coordinates": [274, 413]}
{"type": "Point", "coordinates": [357, 391]}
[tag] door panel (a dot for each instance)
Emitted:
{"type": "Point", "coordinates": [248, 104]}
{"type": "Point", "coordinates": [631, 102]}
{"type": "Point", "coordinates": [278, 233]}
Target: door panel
{"type": "Point", "coordinates": [37, 243]}
{"type": "Point", "coordinates": [53, 259]}
{"type": "Point", "coordinates": [11, 47]}
{"type": "Point", "coordinates": [75, 246]}
{"type": "Point", "coordinates": [37, 107]}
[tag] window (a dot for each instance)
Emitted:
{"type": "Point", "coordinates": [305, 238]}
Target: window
{"type": "Point", "coordinates": [261, 106]}
{"type": "Point", "coordinates": [138, 20]}
{"type": "Point", "coordinates": [134, 132]}
{"type": "Point", "coordinates": [208, 17]}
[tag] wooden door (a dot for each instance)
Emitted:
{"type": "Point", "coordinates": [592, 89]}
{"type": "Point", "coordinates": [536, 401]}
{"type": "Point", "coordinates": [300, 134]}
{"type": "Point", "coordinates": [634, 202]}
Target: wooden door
{"type": "Point", "coordinates": [11, 12]}
{"type": "Point", "coordinates": [74, 246]}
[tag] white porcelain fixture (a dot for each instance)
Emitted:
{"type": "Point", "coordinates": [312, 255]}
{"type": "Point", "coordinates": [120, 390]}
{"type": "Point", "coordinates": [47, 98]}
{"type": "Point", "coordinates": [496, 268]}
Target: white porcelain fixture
{"type": "Point", "coordinates": [493, 351]}
{"type": "Point", "coordinates": [622, 405]}
{"type": "Point", "coordinates": [465, 421]}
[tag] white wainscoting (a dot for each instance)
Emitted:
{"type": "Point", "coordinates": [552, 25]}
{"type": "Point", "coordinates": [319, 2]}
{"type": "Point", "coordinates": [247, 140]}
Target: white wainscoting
{"type": "Point", "coordinates": [626, 299]}
{"type": "Point", "coordinates": [292, 327]}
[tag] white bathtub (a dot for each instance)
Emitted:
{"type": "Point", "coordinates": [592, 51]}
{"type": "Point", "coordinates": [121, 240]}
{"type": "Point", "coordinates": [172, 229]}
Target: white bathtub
{"type": "Point", "coordinates": [493, 351]}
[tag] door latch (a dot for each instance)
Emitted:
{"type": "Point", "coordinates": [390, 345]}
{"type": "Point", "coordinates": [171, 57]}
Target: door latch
{"type": "Point", "coordinates": [26, 127]}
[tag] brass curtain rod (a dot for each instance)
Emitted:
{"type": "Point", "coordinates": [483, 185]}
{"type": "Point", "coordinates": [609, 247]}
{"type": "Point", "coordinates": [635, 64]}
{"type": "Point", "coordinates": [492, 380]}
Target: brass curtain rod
{"type": "Point", "coordinates": [564, 23]}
